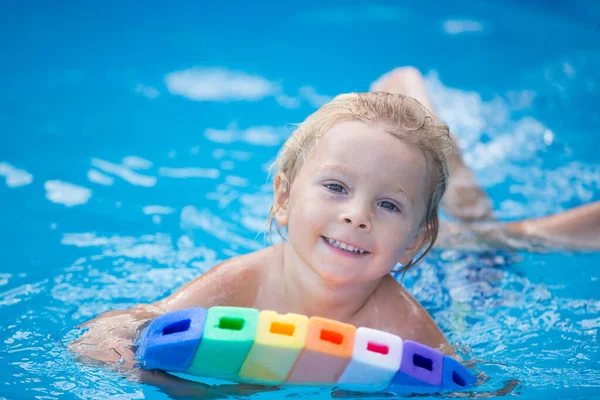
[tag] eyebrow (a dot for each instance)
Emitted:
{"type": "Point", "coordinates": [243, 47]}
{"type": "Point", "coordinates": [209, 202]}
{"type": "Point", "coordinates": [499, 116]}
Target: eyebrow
{"type": "Point", "coordinates": [404, 192]}
{"type": "Point", "coordinates": [346, 169]}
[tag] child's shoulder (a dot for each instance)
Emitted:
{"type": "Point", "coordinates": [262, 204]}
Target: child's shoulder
{"type": "Point", "coordinates": [233, 282]}
{"type": "Point", "coordinates": [245, 266]}
{"type": "Point", "coordinates": [393, 309]}
{"type": "Point", "coordinates": [243, 272]}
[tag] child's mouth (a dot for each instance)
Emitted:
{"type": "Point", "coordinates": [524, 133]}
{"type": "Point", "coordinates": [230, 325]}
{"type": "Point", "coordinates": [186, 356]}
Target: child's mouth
{"type": "Point", "coordinates": [344, 247]}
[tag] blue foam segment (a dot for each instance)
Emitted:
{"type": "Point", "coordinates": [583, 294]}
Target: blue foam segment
{"type": "Point", "coordinates": [170, 341]}
{"type": "Point", "coordinates": [455, 376]}
{"type": "Point", "coordinates": [404, 383]}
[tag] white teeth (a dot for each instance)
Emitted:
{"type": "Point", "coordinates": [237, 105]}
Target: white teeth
{"type": "Point", "coordinates": [344, 246]}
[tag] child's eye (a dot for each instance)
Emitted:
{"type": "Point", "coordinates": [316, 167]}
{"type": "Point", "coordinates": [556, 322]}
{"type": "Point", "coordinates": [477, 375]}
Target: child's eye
{"type": "Point", "coordinates": [388, 205]}
{"type": "Point", "coordinates": [335, 187]}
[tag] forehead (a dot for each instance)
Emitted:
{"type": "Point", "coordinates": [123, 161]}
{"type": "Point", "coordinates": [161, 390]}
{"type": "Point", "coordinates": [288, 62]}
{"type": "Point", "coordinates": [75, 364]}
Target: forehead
{"type": "Point", "coordinates": [367, 149]}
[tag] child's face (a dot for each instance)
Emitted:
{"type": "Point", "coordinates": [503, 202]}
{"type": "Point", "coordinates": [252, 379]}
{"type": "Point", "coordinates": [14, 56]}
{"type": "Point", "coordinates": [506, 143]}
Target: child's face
{"type": "Point", "coordinates": [362, 187]}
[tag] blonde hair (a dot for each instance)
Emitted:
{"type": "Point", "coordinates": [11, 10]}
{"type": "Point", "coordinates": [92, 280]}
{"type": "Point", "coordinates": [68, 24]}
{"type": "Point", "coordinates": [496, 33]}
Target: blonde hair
{"type": "Point", "coordinates": [399, 115]}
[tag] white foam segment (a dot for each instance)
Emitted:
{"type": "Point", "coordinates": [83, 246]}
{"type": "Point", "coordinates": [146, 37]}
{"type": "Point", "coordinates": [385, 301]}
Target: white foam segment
{"type": "Point", "coordinates": [375, 360]}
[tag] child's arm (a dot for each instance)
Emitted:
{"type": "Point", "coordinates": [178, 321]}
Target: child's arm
{"type": "Point", "coordinates": [110, 336]}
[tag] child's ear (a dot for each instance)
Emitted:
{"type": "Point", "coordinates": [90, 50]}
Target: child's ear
{"type": "Point", "coordinates": [418, 242]}
{"type": "Point", "coordinates": [280, 201]}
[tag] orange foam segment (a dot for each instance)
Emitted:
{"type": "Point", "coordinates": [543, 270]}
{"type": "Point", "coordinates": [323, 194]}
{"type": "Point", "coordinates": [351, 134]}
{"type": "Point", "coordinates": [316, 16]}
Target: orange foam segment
{"type": "Point", "coordinates": [330, 337]}
{"type": "Point", "coordinates": [327, 350]}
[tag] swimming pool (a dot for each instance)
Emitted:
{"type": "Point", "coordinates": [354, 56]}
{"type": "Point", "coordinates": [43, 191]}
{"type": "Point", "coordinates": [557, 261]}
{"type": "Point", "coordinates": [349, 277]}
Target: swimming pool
{"type": "Point", "coordinates": [134, 143]}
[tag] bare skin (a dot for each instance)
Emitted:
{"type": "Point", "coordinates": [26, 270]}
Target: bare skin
{"type": "Point", "coordinates": [577, 229]}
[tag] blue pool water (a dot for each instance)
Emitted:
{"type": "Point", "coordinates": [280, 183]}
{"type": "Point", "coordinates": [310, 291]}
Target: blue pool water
{"type": "Point", "coordinates": [135, 137]}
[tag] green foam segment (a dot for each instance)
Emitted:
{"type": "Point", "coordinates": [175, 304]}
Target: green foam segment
{"type": "Point", "coordinates": [228, 335]}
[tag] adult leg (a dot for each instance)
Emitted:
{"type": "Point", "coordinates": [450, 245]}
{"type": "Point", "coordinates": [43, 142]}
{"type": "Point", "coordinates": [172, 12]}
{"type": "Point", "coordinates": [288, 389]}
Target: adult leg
{"type": "Point", "coordinates": [464, 198]}
{"type": "Point", "coordinates": [575, 229]}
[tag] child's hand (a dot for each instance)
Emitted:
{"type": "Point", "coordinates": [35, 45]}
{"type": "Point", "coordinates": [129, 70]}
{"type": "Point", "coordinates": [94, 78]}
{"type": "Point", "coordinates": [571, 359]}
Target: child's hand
{"type": "Point", "coordinates": [110, 336]}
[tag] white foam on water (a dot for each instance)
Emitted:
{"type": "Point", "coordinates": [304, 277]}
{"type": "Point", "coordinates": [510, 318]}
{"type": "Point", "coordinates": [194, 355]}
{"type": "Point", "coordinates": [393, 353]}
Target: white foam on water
{"type": "Point", "coordinates": [459, 26]}
{"type": "Point", "coordinates": [222, 84]}
{"type": "Point", "coordinates": [513, 150]}
{"type": "Point", "coordinates": [136, 162]}
{"type": "Point", "coordinates": [236, 181]}
{"type": "Point", "coordinates": [147, 91]}
{"type": "Point", "coordinates": [183, 173]}
{"type": "Point", "coordinates": [67, 194]}
{"type": "Point", "coordinates": [315, 99]}
{"type": "Point", "coordinates": [13, 176]}
{"type": "Point", "coordinates": [256, 135]}
{"type": "Point", "coordinates": [98, 177]}
{"type": "Point", "coordinates": [219, 84]}
{"type": "Point", "coordinates": [216, 226]}
{"type": "Point", "coordinates": [124, 173]}
{"type": "Point", "coordinates": [157, 210]}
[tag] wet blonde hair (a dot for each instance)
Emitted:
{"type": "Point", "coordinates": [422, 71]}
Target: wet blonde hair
{"type": "Point", "coordinates": [399, 115]}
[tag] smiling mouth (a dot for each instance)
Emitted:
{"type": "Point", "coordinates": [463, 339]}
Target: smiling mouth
{"type": "Point", "coordinates": [344, 246]}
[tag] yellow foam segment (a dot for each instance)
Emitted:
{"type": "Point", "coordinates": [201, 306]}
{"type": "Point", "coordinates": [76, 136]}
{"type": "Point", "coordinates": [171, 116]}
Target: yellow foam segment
{"type": "Point", "coordinates": [278, 342]}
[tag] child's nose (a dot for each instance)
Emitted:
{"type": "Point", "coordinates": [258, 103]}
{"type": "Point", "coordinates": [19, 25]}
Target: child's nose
{"type": "Point", "coordinates": [359, 226]}
{"type": "Point", "coordinates": [359, 219]}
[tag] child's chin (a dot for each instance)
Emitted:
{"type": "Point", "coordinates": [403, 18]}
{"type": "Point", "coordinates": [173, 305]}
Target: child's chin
{"type": "Point", "coordinates": [337, 277]}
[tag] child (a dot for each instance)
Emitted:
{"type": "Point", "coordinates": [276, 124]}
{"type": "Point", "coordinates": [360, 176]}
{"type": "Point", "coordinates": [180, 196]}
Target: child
{"type": "Point", "coordinates": [358, 188]}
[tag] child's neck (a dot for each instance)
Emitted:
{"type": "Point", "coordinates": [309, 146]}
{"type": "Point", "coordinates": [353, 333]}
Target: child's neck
{"type": "Point", "coordinates": [305, 292]}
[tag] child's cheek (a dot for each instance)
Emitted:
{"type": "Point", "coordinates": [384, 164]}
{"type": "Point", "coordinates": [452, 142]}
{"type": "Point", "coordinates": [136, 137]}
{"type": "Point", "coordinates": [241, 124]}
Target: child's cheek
{"type": "Point", "coordinates": [314, 213]}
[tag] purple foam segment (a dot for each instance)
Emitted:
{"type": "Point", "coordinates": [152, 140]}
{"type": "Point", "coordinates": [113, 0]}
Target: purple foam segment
{"type": "Point", "coordinates": [420, 366]}
{"type": "Point", "coordinates": [455, 376]}
{"type": "Point", "coordinates": [170, 341]}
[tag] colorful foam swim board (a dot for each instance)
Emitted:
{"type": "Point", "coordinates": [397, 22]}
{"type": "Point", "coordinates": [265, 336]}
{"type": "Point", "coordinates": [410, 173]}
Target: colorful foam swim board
{"type": "Point", "coordinates": [263, 347]}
